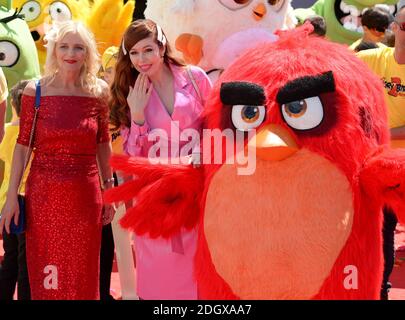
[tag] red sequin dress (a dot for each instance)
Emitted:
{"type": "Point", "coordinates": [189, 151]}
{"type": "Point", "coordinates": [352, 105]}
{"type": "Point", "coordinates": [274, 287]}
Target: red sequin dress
{"type": "Point", "coordinates": [64, 200]}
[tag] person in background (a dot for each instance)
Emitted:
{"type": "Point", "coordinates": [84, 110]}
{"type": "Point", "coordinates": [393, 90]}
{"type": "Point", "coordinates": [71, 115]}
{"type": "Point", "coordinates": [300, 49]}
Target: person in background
{"type": "Point", "coordinates": [319, 25]}
{"type": "Point", "coordinates": [108, 61]}
{"type": "Point", "coordinates": [3, 102]}
{"type": "Point", "coordinates": [13, 268]}
{"type": "Point", "coordinates": [375, 21]}
{"type": "Point", "coordinates": [119, 236]}
{"type": "Point", "coordinates": [365, 45]}
{"type": "Point", "coordinates": [389, 39]}
{"type": "Point", "coordinates": [107, 240]}
{"type": "Point", "coordinates": [389, 64]}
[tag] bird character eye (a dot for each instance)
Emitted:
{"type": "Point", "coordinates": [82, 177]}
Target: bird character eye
{"type": "Point", "coordinates": [276, 4]}
{"type": "Point", "coordinates": [245, 117]}
{"type": "Point", "coordinates": [59, 11]}
{"type": "Point", "coordinates": [9, 54]}
{"type": "Point", "coordinates": [303, 114]}
{"type": "Point", "coordinates": [31, 10]}
{"type": "Point", "coordinates": [234, 4]}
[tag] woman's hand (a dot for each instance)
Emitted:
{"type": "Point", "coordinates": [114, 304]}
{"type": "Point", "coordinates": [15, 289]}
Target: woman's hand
{"type": "Point", "coordinates": [138, 97]}
{"type": "Point", "coordinates": [108, 214]}
{"type": "Point", "coordinates": [10, 211]}
{"type": "Point", "coordinates": [195, 159]}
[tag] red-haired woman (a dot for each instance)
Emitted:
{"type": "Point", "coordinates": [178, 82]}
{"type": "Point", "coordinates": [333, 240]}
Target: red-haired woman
{"type": "Point", "coordinates": [154, 91]}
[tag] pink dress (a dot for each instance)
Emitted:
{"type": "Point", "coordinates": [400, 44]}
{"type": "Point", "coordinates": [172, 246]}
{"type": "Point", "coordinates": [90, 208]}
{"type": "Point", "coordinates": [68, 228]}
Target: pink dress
{"type": "Point", "coordinates": [165, 266]}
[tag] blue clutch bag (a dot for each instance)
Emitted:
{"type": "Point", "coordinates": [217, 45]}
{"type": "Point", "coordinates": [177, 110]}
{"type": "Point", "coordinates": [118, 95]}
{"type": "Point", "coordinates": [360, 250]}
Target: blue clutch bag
{"type": "Point", "coordinates": [20, 227]}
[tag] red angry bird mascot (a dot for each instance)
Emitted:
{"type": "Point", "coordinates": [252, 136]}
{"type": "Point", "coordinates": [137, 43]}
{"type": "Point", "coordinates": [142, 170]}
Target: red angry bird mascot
{"type": "Point", "coordinates": [306, 222]}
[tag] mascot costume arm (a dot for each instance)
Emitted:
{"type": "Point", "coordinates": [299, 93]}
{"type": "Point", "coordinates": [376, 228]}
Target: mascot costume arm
{"type": "Point", "coordinates": [167, 196]}
{"type": "Point", "coordinates": [382, 178]}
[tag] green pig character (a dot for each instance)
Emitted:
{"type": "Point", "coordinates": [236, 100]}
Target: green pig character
{"type": "Point", "coordinates": [342, 17]}
{"type": "Point", "coordinates": [18, 54]}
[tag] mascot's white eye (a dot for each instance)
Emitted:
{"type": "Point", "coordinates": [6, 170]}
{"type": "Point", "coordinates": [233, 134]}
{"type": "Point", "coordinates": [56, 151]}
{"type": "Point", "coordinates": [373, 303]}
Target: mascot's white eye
{"type": "Point", "coordinates": [31, 10]}
{"type": "Point", "coordinates": [275, 4]}
{"type": "Point", "coordinates": [303, 114]}
{"type": "Point", "coordinates": [235, 4]}
{"type": "Point", "coordinates": [245, 117]}
{"type": "Point", "coordinates": [59, 11]}
{"type": "Point", "coordinates": [9, 54]}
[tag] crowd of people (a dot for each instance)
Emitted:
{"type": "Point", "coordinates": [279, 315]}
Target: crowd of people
{"type": "Point", "coordinates": [85, 107]}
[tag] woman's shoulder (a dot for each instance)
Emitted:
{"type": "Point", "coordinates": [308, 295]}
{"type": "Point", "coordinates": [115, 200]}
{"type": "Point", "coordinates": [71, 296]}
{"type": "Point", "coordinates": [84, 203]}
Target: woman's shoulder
{"type": "Point", "coordinates": [201, 78]}
{"type": "Point", "coordinates": [102, 84]}
{"type": "Point", "coordinates": [182, 70]}
{"type": "Point", "coordinates": [196, 70]}
{"type": "Point", "coordinates": [30, 88]}
{"type": "Point", "coordinates": [103, 89]}
{"type": "Point", "coordinates": [199, 75]}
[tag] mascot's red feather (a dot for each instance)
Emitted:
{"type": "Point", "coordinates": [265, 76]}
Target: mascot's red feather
{"type": "Point", "coordinates": [306, 224]}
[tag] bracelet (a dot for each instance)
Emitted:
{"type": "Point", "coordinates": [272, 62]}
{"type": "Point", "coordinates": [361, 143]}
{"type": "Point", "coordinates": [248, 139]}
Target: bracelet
{"type": "Point", "coordinates": [112, 179]}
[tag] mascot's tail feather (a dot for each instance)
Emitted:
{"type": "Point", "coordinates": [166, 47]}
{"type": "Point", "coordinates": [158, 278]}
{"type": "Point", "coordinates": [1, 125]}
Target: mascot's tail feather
{"type": "Point", "coordinates": [124, 192]}
{"type": "Point", "coordinates": [167, 197]}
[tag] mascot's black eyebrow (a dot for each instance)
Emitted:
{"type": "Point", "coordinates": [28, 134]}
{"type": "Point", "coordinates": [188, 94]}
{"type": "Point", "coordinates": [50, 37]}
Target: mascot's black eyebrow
{"type": "Point", "coordinates": [244, 93]}
{"type": "Point", "coordinates": [15, 15]}
{"type": "Point", "coordinates": [305, 87]}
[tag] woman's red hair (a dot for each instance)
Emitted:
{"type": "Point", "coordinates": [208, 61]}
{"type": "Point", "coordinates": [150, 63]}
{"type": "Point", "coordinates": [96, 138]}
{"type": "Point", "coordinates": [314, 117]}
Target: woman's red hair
{"type": "Point", "coordinates": [125, 75]}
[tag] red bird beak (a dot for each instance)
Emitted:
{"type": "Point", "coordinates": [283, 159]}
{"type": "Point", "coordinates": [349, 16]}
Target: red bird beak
{"type": "Point", "coordinates": [273, 143]}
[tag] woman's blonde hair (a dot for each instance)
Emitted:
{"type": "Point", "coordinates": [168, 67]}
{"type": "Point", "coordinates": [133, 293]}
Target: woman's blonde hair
{"type": "Point", "coordinates": [88, 73]}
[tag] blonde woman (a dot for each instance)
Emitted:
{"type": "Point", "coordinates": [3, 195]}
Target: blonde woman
{"type": "Point", "coordinates": [71, 147]}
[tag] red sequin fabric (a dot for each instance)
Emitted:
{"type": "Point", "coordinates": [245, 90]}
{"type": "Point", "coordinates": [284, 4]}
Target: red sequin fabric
{"type": "Point", "coordinates": [63, 195]}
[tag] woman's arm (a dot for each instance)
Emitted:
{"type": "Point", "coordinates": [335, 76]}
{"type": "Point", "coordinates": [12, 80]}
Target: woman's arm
{"type": "Point", "coordinates": [204, 87]}
{"type": "Point", "coordinates": [203, 83]}
{"type": "Point", "coordinates": [104, 148]}
{"type": "Point", "coordinates": [103, 160]}
{"type": "Point", "coordinates": [19, 157]}
{"type": "Point", "coordinates": [2, 118]}
{"type": "Point", "coordinates": [3, 103]}
{"type": "Point", "coordinates": [10, 208]}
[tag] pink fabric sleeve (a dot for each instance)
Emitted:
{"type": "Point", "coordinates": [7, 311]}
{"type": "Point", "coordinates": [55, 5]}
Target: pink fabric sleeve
{"type": "Point", "coordinates": [203, 82]}
{"type": "Point", "coordinates": [135, 139]}
{"type": "Point", "coordinates": [204, 86]}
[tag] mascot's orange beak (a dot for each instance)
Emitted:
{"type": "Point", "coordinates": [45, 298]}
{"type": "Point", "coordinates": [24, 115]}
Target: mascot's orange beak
{"type": "Point", "coordinates": [273, 143]}
{"type": "Point", "coordinates": [191, 46]}
{"type": "Point", "coordinates": [259, 12]}
{"type": "Point", "coordinates": [41, 30]}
